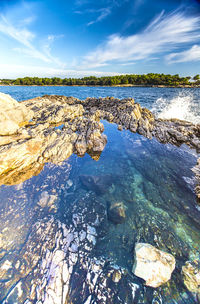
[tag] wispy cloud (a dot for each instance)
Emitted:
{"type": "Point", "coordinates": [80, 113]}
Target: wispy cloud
{"type": "Point", "coordinates": [27, 21]}
{"type": "Point", "coordinates": [22, 35]}
{"type": "Point", "coordinates": [106, 8]}
{"type": "Point", "coordinates": [13, 71]}
{"type": "Point", "coordinates": [165, 33]}
{"type": "Point", "coordinates": [103, 13]}
{"type": "Point", "coordinates": [193, 54]}
{"type": "Point", "coordinates": [25, 38]}
{"type": "Point", "coordinates": [47, 47]}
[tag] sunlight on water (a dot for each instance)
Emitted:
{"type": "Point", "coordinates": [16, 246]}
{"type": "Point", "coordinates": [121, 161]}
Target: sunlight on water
{"type": "Point", "coordinates": [180, 107]}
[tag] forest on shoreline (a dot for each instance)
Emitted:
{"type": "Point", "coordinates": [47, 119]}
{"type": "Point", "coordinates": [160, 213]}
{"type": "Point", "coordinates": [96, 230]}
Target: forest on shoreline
{"type": "Point", "coordinates": [150, 79]}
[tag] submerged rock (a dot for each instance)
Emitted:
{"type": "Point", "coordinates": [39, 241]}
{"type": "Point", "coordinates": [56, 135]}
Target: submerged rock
{"type": "Point", "coordinates": [116, 213]}
{"type": "Point", "coordinates": [153, 265]}
{"type": "Point", "coordinates": [97, 183]}
{"type": "Point", "coordinates": [116, 277]}
{"type": "Point", "coordinates": [59, 264]}
{"type": "Point", "coordinates": [191, 275]}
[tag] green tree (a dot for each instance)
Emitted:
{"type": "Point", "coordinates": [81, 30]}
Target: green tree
{"type": "Point", "coordinates": [196, 77]}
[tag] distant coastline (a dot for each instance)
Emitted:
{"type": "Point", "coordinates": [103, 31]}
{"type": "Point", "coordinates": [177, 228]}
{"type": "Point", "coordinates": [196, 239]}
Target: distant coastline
{"type": "Point", "coordinates": [129, 80]}
{"type": "Point", "coordinates": [106, 86]}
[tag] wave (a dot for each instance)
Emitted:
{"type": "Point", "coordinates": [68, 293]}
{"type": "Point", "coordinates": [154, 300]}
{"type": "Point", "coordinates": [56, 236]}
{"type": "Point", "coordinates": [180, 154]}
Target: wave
{"type": "Point", "coordinates": [183, 107]}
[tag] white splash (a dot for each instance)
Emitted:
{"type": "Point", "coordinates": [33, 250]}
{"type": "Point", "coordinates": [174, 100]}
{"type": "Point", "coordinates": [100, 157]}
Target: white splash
{"type": "Point", "coordinates": [182, 107]}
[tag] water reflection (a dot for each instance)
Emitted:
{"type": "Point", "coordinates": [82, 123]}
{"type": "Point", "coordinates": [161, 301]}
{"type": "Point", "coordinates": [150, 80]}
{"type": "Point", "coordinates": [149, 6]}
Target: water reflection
{"type": "Point", "coordinates": [56, 235]}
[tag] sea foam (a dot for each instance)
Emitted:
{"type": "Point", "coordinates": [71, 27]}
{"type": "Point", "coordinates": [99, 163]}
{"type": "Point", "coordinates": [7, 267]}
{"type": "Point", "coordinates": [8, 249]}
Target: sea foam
{"type": "Point", "coordinates": [181, 106]}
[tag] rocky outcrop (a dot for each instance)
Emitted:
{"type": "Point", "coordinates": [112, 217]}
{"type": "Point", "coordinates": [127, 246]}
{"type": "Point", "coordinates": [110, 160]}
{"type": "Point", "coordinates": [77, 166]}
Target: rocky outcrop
{"type": "Point", "coordinates": [177, 132]}
{"type": "Point", "coordinates": [191, 275]}
{"type": "Point", "coordinates": [13, 115]}
{"type": "Point", "coordinates": [63, 125]}
{"type": "Point", "coordinates": [57, 130]}
{"type": "Point", "coordinates": [153, 265]}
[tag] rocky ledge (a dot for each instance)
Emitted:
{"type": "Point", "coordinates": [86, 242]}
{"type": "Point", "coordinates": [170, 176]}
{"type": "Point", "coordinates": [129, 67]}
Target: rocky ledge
{"type": "Point", "coordinates": [51, 128]}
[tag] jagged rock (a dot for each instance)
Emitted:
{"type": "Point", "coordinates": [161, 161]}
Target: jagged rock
{"type": "Point", "coordinates": [116, 213]}
{"type": "Point", "coordinates": [64, 125]}
{"type": "Point", "coordinates": [13, 115]}
{"type": "Point", "coordinates": [99, 184]}
{"type": "Point", "coordinates": [153, 265]}
{"type": "Point", "coordinates": [191, 275]}
{"type": "Point", "coordinates": [177, 132]}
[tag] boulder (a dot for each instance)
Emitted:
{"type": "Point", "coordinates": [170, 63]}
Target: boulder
{"type": "Point", "coordinates": [116, 213]}
{"type": "Point", "coordinates": [13, 115]}
{"type": "Point", "coordinates": [191, 275]}
{"type": "Point", "coordinates": [153, 265]}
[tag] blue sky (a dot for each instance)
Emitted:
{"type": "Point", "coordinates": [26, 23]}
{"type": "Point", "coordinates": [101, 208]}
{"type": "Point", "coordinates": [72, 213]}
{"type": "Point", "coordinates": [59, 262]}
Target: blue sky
{"type": "Point", "coordinates": [75, 38]}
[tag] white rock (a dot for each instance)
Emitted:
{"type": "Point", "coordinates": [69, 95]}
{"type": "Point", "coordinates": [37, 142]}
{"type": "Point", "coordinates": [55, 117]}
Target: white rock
{"type": "Point", "coordinates": [12, 115]}
{"type": "Point", "coordinates": [153, 265]}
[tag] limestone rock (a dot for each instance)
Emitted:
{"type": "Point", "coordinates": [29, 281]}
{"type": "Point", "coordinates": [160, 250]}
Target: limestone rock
{"type": "Point", "coordinates": [65, 125]}
{"type": "Point", "coordinates": [191, 275]}
{"type": "Point", "coordinates": [116, 213]}
{"type": "Point", "coordinates": [13, 115]}
{"type": "Point", "coordinates": [153, 265]}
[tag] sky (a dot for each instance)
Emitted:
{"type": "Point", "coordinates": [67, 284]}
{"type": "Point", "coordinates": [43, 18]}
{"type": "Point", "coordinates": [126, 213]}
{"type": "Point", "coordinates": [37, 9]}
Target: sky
{"type": "Point", "coordinates": [77, 38]}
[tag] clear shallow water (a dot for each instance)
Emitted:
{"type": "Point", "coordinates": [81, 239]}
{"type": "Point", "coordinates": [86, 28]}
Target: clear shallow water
{"type": "Point", "coordinates": [182, 103]}
{"type": "Point", "coordinates": [153, 181]}
{"type": "Point", "coordinates": [155, 184]}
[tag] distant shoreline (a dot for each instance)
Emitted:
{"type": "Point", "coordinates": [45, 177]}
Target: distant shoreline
{"type": "Point", "coordinates": [130, 80]}
{"type": "Point", "coordinates": [105, 86]}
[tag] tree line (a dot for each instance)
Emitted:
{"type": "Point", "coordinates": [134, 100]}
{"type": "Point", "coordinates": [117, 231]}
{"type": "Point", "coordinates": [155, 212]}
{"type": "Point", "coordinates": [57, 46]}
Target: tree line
{"type": "Point", "coordinates": [150, 79]}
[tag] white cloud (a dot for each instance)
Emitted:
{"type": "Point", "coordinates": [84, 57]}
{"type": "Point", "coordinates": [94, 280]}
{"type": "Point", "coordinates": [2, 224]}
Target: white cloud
{"type": "Point", "coordinates": [47, 49]}
{"type": "Point", "coordinates": [33, 53]}
{"type": "Point", "coordinates": [193, 54]}
{"type": "Point", "coordinates": [25, 38]}
{"type": "Point", "coordinates": [27, 21]}
{"type": "Point", "coordinates": [22, 35]}
{"type": "Point", "coordinates": [101, 12]}
{"type": "Point", "coordinates": [163, 34]}
{"type": "Point", "coordinates": [11, 71]}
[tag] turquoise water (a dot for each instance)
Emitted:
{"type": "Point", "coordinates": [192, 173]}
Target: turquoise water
{"type": "Point", "coordinates": [154, 182]}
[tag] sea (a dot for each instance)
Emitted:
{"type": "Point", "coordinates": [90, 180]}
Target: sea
{"type": "Point", "coordinates": [153, 181]}
{"type": "Point", "coordinates": [182, 103]}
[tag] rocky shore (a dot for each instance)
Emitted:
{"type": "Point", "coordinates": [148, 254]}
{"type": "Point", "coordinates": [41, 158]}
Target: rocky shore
{"type": "Point", "coordinates": [51, 128]}
{"type": "Point", "coordinates": [55, 262]}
